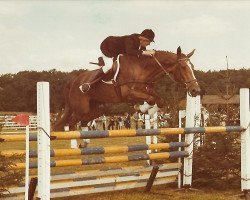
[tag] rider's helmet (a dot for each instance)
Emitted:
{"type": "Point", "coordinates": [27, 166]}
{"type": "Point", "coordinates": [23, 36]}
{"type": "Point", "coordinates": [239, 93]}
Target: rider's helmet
{"type": "Point", "coordinates": [149, 34]}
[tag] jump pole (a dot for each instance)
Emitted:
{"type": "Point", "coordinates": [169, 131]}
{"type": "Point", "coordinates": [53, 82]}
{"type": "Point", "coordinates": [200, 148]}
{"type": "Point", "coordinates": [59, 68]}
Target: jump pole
{"type": "Point", "coordinates": [43, 128]}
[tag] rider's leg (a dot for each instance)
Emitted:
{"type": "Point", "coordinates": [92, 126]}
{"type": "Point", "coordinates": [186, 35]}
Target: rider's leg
{"type": "Point", "coordinates": [108, 64]}
{"type": "Point", "coordinates": [105, 69]}
{"type": "Point", "coordinates": [100, 73]}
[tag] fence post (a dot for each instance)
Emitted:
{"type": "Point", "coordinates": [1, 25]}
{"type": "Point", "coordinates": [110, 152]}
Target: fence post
{"type": "Point", "coordinates": [245, 140]}
{"type": "Point", "coordinates": [148, 138]}
{"type": "Point", "coordinates": [192, 120]}
{"type": "Point", "coordinates": [43, 141]}
{"type": "Point", "coordinates": [182, 114]}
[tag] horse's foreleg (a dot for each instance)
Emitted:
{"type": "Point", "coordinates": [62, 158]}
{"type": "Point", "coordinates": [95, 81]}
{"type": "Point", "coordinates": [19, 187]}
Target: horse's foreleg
{"type": "Point", "coordinates": [139, 96]}
{"type": "Point", "coordinates": [74, 119]}
{"type": "Point", "coordinates": [159, 101]}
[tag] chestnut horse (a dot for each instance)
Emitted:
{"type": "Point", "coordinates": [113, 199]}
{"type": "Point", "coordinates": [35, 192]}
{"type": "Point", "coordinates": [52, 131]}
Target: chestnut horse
{"type": "Point", "coordinates": [134, 84]}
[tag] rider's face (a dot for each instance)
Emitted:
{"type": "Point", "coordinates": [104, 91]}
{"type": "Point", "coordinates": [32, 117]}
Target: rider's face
{"type": "Point", "coordinates": [144, 42]}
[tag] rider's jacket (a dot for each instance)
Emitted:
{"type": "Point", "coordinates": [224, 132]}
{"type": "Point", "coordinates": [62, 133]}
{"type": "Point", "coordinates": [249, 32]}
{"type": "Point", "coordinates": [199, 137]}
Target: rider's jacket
{"type": "Point", "coordinates": [112, 46]}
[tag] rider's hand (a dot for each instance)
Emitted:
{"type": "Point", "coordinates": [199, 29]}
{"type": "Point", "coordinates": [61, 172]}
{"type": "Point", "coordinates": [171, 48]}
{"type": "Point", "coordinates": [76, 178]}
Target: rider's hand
{"type": "Point", "coordinates": [148, 52]}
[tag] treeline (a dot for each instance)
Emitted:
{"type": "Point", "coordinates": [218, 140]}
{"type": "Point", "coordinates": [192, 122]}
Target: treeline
{"type": "Point", "coordinates": [18, 91]}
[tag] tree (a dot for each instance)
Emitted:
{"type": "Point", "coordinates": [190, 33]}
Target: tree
{"type": "Point", "coordinates": [8, 175]}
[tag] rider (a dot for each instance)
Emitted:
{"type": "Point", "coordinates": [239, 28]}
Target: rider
{"type": "Point", "coordinates": [112, 46]}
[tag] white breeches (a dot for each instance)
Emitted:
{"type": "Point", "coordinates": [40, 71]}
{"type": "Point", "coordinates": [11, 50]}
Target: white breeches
{"type": "Point", "coordinates": [108, 64]}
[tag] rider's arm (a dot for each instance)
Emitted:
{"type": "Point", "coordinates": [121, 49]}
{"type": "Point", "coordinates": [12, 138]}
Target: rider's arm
{"type": "Point", "coordinates": [132, 48]}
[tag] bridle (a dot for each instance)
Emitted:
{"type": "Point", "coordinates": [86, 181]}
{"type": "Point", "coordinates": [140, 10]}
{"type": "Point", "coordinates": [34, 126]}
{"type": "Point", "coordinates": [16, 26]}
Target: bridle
{"type": "Point", "coordinates": [176, 66]}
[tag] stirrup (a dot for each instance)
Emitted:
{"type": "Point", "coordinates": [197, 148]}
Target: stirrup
{"type": "Point", "coordinates": [85, 87]}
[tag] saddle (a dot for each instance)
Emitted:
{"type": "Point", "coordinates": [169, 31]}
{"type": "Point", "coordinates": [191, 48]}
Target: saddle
{"type": "Point", "coordinates": [111, 76]}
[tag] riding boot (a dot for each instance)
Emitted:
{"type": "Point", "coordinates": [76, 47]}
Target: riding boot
{"type": "Point", "coordinates": [101, 62]}
{"type": "Point", "coordinates": [86, 86]}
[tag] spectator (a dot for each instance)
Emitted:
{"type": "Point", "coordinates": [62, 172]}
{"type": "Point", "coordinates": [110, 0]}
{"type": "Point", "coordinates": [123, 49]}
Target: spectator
{"type": "Point", "coordinates": [111, 123]}
{"type": "Point", "coordinates": [116, 122]}
{"type": "Point", "coordinates": [120, 122]}
{"type": "Point", "coordinates": [104, 122]}
{"type": "Point", "coordinates": [136, 119]}
{"type": "Point", "coordinates": [92, 125]}
{"type": "Point", "coordinates": [127, 122]}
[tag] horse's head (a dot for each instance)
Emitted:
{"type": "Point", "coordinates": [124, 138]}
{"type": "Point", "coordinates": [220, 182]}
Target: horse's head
{"type": "Point", "coordinates": [183, 73]}
{"type": "Point", "coordinates": [181, 69]}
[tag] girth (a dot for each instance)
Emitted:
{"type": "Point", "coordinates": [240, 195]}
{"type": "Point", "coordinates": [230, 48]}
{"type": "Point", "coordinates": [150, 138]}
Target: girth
{"type": "Point", "coordinates": [117, 86]}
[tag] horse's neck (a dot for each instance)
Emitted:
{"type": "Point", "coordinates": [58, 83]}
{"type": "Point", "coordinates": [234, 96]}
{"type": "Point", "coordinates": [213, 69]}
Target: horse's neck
{"type": "Point", "coordinates": [145, 69]}
{"type": "Point", "coordinates": [134, 69]}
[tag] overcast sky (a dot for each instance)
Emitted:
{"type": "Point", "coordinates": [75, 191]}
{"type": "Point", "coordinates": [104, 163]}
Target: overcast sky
{"type": "Point", "coordinates": [66, 35]}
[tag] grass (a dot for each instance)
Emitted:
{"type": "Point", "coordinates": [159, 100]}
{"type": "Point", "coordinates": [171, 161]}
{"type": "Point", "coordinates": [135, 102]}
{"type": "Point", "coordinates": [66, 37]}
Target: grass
{"type": "Point", "coordinates": [159, 193]}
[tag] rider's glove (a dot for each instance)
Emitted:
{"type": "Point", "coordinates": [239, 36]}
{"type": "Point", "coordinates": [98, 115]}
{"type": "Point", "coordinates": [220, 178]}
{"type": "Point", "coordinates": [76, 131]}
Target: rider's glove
{"type": "Point", "coordinates": [148, 52]}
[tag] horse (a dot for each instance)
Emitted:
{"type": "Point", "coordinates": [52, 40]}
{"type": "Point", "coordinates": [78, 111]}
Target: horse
{"type": "Point", "coordinates": [134, 84]}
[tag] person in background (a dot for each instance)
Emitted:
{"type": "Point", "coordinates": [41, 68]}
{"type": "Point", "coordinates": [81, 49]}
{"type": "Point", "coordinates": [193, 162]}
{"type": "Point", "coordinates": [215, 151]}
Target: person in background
{"type": "Point", "coordinates": [111, 123]}
{"type": "Point", "coordinates": [120, 122]}
{"type": "Point", "coordinates": [136, 119]}
{"type": "Point", "coordinates": [127, 122]}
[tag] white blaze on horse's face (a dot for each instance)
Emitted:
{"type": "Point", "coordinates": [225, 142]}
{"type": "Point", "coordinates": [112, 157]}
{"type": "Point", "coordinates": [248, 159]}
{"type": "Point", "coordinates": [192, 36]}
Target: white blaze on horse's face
{"type": "Point", "coordinates": [186, 73]}
{"type": "Point", "coordinates": [191, 67]}
{"type": "Point", "coordinates": [190, 80]}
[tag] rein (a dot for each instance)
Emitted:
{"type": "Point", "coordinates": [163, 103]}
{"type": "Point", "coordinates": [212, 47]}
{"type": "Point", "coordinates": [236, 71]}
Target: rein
{"type": "Point", "coordinates": [167, 73]}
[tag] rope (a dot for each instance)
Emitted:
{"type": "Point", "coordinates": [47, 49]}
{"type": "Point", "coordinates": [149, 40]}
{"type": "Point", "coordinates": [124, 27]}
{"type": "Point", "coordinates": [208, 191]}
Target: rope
{"type": "Point", "coordinates": [44, 132]}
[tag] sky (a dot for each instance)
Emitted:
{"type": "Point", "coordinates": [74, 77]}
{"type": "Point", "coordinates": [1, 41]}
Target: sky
{"type": "Point", "coordinates": [66, 35]}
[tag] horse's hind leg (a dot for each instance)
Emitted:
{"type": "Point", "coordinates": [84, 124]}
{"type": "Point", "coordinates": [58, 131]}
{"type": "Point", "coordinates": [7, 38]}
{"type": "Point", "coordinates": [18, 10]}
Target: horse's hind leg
{"type": "Point", "coordinates": [81, 109]}
{"type": "Point", "coordinates": [96, 110]}
{"type": "Point", "coordinates": [60, 123]}
{"type": "Point", "coordinates": [65, 117]}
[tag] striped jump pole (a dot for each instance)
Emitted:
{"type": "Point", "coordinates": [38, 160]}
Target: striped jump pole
{"type": "Point", "coordinates": [111, 159]}
{"type": "Point", "coordinates": [97, 150]}
{"type": "Point", "coordinates": [125, 133]}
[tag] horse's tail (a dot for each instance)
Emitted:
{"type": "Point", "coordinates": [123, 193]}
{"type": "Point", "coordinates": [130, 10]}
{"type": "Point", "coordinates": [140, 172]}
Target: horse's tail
{"type": "Point", "coordinates": [65, 116]}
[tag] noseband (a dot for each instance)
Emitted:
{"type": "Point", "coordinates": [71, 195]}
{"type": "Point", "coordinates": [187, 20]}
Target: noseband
{"type": "Point", "coordinates": [176, 65]}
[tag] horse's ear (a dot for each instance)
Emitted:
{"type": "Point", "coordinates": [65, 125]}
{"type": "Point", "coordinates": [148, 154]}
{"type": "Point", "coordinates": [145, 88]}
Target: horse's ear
{"type": "Point", "coordinates": [179, 51]}
{"type": "Point", "coordinates": [191, 53]}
